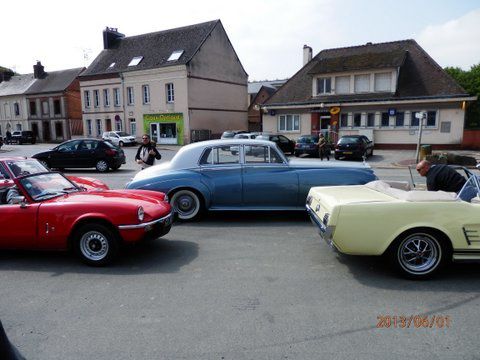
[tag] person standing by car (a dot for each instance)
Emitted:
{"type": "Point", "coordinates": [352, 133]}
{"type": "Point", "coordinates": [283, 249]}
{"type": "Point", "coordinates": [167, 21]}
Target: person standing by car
{"type": "Point", "coordinates": [440, 177]}
{"type": "Point", "coordinates": [8, 137]}
{"type": "Point", "coordinates": [323, 147]}
{"type": "Point", "coordinates": [147, 153]}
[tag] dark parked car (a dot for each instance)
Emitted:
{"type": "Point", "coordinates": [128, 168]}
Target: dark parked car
{"type": "Point", "coordinates": [354, 146]}
{"type": "Point", "coordinates": [307, 144]}
{"type": "Point", "coordinates": [22, 137]}
{"type": "Point", "coordinates": [83, 153]}
{"type": "Point", "coordinates": [284, 143]}
{"type": "Point", "coordinates": [229, 134]}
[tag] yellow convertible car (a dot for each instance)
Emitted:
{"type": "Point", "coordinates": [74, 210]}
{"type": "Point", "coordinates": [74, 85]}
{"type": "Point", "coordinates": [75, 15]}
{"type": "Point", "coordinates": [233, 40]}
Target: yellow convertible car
{"type": "Point", "coordinates": [420, 231]}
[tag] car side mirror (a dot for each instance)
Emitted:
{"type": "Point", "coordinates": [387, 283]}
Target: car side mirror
{"type": "Point", "coordinates": [19, 199]}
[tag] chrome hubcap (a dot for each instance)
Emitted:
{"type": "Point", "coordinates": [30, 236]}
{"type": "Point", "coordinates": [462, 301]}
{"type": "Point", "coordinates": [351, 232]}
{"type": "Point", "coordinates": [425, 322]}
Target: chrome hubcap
{"type": "Point", "coordinates": [419, 253]}
{"type": "Point", "coordinates": [94, 245]}
{"type": "Point", "coordinates": [102, 166]}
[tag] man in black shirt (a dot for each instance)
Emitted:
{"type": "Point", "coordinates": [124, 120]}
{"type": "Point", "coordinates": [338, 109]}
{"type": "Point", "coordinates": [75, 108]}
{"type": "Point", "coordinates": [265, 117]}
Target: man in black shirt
{"type": "Point", "coordinates": [440, 177]}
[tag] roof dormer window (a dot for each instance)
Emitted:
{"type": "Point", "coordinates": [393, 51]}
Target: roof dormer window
{"type": "Point", "coordinates": [135, 61]}
{"type": "Point", "coordinates": [324, 85]}
{"type": "Point", "coordinates": [175, 55]}
{"type": "Point", "coordinates": [111, 65]}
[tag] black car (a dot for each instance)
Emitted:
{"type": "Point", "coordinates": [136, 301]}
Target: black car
{"type": "Point", "coordinates": [23, 137]}
{"type": "Point", "coordinates": [83, 153]}
{"type": "Point", "coordinates": [307, 144]}
{"type": "Point", "coordinates": [284, 143]}
{"type": "Point", "coordinates": [354, 146]}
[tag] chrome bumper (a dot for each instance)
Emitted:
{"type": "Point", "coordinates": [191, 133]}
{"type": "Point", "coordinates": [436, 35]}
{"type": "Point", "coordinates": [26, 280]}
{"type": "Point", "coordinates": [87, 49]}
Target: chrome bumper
{"type": "Point", "coordinates": [165, 221]}
{"type": "Point", "coordinates": [324, 231]}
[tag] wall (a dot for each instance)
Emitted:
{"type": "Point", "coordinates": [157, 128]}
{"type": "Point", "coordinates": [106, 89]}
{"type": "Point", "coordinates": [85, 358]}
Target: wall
{"type": "Point", "coordinates": [471, 139]}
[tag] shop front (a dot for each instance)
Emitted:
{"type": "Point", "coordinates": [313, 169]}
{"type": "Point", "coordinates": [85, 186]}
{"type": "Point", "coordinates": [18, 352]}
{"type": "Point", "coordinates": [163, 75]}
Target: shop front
{"type": "Point", "coordinates": [164, 128]}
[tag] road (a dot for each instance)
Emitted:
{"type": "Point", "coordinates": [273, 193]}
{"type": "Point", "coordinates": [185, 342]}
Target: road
{"type": "Point", "coordinates": [233, 286]}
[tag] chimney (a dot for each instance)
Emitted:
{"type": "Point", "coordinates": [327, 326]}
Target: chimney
{"type": "Point", "coordinates": [307, 54]}
{"type": "Point", "coordinates": [38, 71]}
{"type": "Point", "coordinates": [109, 37]}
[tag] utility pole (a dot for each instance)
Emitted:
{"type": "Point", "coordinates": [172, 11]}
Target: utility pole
{"type": "Point", "coordinates": [420, 116]}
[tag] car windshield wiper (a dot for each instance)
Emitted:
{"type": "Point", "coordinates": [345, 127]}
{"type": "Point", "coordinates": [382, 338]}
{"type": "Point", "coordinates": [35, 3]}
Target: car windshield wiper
{"type": "Point", "coordinates": [50, 194]}
{"type": "Point", "coordinates": [71, 189]}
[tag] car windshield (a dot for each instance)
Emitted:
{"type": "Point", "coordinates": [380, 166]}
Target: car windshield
{"type": "Point", "coordinates": [122, 133]}
{"type": "Point", "coordinates": [25, 167]}
{"type": "Point", "coordinates": [471, 189]}
{"type": "Point", "coordinates": [349, 140]}
{"type": "Point", "coordinates": [47, 186]}
{"type": "Point", "coordinates": [306, 140]}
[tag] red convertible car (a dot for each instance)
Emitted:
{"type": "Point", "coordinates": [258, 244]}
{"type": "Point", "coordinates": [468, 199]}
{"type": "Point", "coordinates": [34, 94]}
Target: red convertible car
{"type": "Point", "coordinates": [12, 167]}
{"type": "Point", "coordinates": [52, 213]}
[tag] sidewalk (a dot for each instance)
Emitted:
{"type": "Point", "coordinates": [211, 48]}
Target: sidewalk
{"type": "Point", "coordinates": [405, 158]}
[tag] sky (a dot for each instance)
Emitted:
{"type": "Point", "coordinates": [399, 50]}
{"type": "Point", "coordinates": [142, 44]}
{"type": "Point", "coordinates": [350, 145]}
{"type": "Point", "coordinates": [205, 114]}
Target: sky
{"type": "Point", "coordinates": [268, 35]}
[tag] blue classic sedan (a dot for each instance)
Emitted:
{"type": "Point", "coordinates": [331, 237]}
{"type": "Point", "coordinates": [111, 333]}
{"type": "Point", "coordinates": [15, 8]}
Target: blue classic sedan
{"type": "Point", "coordinates": [243, 174]}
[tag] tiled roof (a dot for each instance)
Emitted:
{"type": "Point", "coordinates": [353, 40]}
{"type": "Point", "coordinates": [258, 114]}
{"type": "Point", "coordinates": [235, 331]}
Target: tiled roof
{"type": "Point", "coordinates": [17, 85]}
{"type": "Point", "coordinates": [420, 76]}
{"type": "Point", "coordinates": [154, 48]}
{"type": "Point", "coordinates": [54, 81]}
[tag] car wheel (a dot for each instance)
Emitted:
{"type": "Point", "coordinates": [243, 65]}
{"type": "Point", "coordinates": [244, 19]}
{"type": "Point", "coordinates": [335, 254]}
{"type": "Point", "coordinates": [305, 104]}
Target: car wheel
{"type": "Point", "coordinates": [120, 143]}
{"type": "Point", "coordinates": [371, 152]}
{"type": "Point", "coordinates": [102, 165]}
{"type": "Point", "coordinates": [337, 157]}
{"type": "Point", "coordinates": [296, 154]}
{"type": "Point", "coordinates": [116, 167]}
{"type": "Point", "coordinates": [420, 254]}
{"type": "Point", "coordinates": [187, 204]}
{"type": "Point", "coordinates": [96, 244]}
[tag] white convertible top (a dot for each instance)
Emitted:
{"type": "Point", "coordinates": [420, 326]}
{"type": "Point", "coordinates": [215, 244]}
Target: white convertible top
{"type": "Point", "coordinates": [412, 195]}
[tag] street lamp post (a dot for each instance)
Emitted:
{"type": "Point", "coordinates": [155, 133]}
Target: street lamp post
{"type": "Point", "coordinates": [420, 116]}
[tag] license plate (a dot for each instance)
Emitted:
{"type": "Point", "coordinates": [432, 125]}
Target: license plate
{"type": "Point", "coordinates": [348, 152]}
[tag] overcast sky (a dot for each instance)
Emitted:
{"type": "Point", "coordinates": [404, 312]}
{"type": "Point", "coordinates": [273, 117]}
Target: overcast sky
{"type": "Point", "coordinates": [268, 35]}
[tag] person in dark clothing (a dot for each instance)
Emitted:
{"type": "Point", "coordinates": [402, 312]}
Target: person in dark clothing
{"type": "Point", "coordinates": [147, 153]}
{"type": "Point", "coordinates": [8, 137]}
{"type": "Point", "coordinates": [441, 177]}
{"type": "Point", "coordinates": [323, 149]}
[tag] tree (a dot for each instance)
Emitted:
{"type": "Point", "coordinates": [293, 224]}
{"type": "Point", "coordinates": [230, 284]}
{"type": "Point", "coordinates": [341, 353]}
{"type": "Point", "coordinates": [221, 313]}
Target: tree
{"type": "Point", "coordinates": [470, 81]}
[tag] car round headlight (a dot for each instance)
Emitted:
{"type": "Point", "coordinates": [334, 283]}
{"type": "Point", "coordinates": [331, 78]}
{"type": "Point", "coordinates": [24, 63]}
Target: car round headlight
{"type": "Point", "coordinates": [140, 213]}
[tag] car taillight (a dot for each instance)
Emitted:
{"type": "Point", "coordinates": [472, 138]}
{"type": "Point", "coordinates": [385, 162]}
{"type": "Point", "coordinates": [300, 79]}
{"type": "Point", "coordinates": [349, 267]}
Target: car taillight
{"type": "Point", "coordinates": [111, 152]}
{"type": "Point", "coordinates": [297, 146]}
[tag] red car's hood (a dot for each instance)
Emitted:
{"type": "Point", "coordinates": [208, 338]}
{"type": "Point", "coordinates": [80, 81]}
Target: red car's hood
{"type": "Point", "coordinates": [89, 183]}
{"type": "Point", "coordinates": [152, 201]}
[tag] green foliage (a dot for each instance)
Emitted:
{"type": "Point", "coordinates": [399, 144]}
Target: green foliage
{"type": "Point", "coordinates": [470, 81]}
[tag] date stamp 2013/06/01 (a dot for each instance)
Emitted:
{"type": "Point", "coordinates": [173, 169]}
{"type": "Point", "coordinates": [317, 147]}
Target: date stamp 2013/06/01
{"type": "Point", "coordinates": [413, 321]}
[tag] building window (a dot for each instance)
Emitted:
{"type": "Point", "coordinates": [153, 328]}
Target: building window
{"type": "Point", "coordinates": [130, 96]}
{"type": "Point", "coordinates": [383, 82]}
{"type": "Point", "coordinates": [33, 108]}
{"type": "Point", "coordinates": [370, 120]}
{"type": "Point", "coordinates": [324, 85]}
{"type": "Point", "coordinates": [96, 98]}
{"type": "Point", "coordinates": [89, 127]}
{"type": "Point", "coordinates": [146, 94]}
{"type": "Point", "coordinates": [133, 127]}
{"type": "Point", "coordinates": [342, 85]}
{"type": "Point", "coordinates": [86, 98]}
{"type": "Point", "coordinates": [16, 109]}
{"type": "Point", "coordinates": [362, 83]}
{"type": "Point", "coordinates": [357, 120]}
{"type": "Point", "coordinates": [57, 110]}
{"type": "Point", "coordinates": [6, 108]}
{"type": "Point", "coordinates": [170, 93]}
{"type": "Point", "coordinates": [99, 127]}
{"type": "Point", "coordinates": [116, 97]}
{"type": "Point", "coordinates": [431, 118]}
{"type": "Point", "coordinates": [45, 107]}
{"type": "Point", "coordinates": [106, 97]}
{"type": "Point", "coordinates": [118, 124]}
{"type": "Point", "coordinates": [400, 119]}
{"type": "Point", "coordinates": [289, 123]}
{"type": "Point", "coordinates": [135, 61]}
{"type": "Point", "coordinates": [385, 119]}
{"type": "Point", "coordinates": [343, 120]}
{"type": "Point", "coordinates": [415, 121]}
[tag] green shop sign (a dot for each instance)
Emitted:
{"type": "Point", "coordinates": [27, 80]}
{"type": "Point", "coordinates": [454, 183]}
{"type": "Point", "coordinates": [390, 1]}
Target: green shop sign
{"type": "Point", "coordinates": [176, 118]}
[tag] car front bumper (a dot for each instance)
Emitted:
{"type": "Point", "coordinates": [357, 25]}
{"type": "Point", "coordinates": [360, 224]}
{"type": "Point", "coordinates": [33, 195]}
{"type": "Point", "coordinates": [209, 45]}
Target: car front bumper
{"type": "Point", "coordinates": [150, 230]}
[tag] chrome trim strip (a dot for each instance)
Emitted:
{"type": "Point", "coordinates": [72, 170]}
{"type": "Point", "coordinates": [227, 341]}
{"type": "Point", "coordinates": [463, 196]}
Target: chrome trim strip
{"type": "Point", "coordinates": [325, 231]}
{"type": "Point", "coordinates": [144, 225]}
